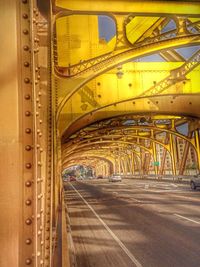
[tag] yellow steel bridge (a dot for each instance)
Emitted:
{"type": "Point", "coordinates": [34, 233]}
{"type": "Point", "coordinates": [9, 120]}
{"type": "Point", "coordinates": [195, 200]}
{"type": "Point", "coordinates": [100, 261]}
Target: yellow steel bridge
{"type": "Point", "coordinates": [114, 85]}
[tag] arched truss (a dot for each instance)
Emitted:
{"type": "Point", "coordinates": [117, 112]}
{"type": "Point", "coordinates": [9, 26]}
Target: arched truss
{"type": "Point", "coordinates": [145, 136]}
{"type": "Point", "coordinates": [125, 51]}
{"type": "Point", "coordinates": [148, 46]}
{"type": "Point", "coordinates": [89, 157]}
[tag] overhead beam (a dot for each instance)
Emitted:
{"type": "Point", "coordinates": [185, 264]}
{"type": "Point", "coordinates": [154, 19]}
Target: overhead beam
{"type": "Point", "coordinates": [138, 7]}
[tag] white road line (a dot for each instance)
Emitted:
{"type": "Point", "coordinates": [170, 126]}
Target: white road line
{"type": "Point", "coordinates": [128, 253]}
{"type": "Point", "coordinates": [183, 217]}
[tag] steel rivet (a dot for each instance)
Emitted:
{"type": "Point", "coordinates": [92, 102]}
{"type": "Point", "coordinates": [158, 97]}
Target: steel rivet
{"type": "Point", "coordinates": [25, 31]}
{"type": "Point", "coordinates": [28, 165]}
{"type": "Point", "coordinates": [28, 202]}
{"type": "Point", "coordinates": [25, 16]}
{"type": "Point", "coordinates": [28, 147]}
{"type": "Point", "coordinates": [28, 221]}
{"type": "Point", "coordinates": [27, 97]}
{"type": "Point", "coordinates": [27, 113]}
{"type": "Point", "coordinates": [26, 47]}
{"type": "Point", "coordinates": [28, 183]}
{"type": "Point", "coordinates": [28, 130]}
{"type": "Point", "coordinates": [28, 241]}
{"type": "Point", "coordinates": [26, 80]}
{"type": "Point", "coordinates": [28, 261]}
{"type": "Point", "coordinates": [26, 64]}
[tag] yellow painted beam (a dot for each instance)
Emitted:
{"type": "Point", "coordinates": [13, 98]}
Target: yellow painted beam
{"type": "Point", "coordinates": [158, 7]}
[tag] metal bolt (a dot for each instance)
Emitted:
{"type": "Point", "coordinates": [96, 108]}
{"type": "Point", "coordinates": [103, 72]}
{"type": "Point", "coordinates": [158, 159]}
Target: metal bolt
{"type": "Point", "coordinates": [28, 165]}
{"type": "Point", "coordinates": [26, 64]}
{"type": "Point", "coordinates": [28, 221]}
{"type": "Point", "coordinates": [26, 47]}
{"type": "Point", "coordinates": [28, 241]}
{"type": "Point", "coordinates": [25, 16]}
{"type": "Point", "coordinates": [28, 202]}
{"type": "Point", "coordinates": [25, 31]}
{"type": "Point", "coordinates": [28, 261]}
{"type": "Point", "coordinates": [28, 183]}
{"type": "Point", "coordinates": [28, 130]}
{"type": "Point", "coordinates": [27, 113]}
{"type": "Point", "coordinates": [27, 97]}
{"type": "Point", "coordinates": [26, 80]}
{"type": "Point", "coordinates": [28, 148]}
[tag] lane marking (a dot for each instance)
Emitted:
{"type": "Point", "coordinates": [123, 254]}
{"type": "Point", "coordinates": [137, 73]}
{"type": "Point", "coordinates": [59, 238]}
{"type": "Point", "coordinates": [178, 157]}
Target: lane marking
{"type": "Point", "coordinates": [183, 217]}
{"type": "Point", "coordinates": [123, 247]}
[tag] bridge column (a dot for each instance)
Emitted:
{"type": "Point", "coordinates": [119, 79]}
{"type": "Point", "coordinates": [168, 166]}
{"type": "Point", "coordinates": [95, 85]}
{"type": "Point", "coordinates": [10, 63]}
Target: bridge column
{"type": "Point", "coordinates": [197, 142]}
{"type": "Point", "coordinates": [173, 154]}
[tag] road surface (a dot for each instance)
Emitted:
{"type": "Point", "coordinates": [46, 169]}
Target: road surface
{"type": "Point", "coordinates": [134, 223]}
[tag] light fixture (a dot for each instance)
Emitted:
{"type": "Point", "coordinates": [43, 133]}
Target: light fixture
{"type": "Point", "coordinates": [119, 72]}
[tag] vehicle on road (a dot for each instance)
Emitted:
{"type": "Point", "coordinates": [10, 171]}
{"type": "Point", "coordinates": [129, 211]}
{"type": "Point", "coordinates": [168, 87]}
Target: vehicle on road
{"type": "Point", "coordinates": [195, 182]}
{"type": "Point", "coordinates": [100, 176]}
{"type": "Point", "coordinates": [115, 178]}
{"type": "Point", "coordinates": [72, 178]}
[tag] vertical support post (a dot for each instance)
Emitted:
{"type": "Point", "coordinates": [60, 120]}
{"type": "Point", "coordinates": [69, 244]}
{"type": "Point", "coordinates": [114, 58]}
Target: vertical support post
{"type": "Point", "coordinates": [197, 143]}
{"type": "Point", "coordinates": [173, 154]}
{"type": "Point", "coordinates": [155, 158]}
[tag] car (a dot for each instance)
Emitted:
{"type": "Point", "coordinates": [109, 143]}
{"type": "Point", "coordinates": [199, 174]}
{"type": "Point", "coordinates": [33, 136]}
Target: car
{"type": "Point", "coordinates": [115, 178]}
{"type": "Point", "coordinates": [100, 176]}
{"type": "Point", "coordinates": [72, 178]}
{"type": "Point", "coordinates": [195, 182]}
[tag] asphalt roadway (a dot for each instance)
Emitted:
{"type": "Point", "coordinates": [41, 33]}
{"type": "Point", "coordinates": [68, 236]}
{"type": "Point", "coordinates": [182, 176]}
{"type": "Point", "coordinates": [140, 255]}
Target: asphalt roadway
{"type": "Point", "coordinates": [134, 223]}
